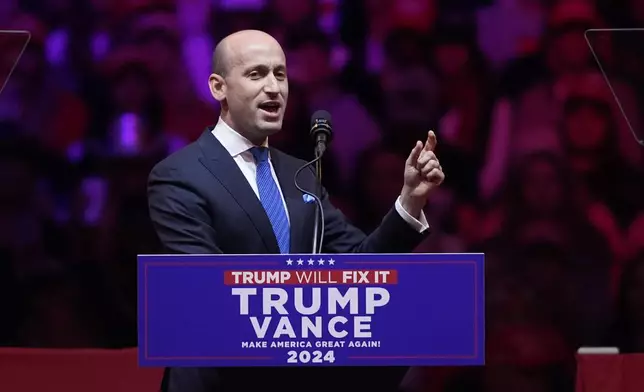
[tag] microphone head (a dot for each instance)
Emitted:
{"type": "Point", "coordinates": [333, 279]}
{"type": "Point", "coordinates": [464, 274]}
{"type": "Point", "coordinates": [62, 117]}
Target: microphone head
{"type": "Point", "coordinates": [321, 117]}
{"type": "Point", "coordinates": [321, 123]}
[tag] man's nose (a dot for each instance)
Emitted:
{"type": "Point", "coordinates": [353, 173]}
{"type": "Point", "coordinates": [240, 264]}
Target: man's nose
{"type": "Point", "coordinates": [271, 86]}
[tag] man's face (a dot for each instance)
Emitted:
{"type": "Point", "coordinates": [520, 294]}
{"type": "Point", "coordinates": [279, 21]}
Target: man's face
{"type": "Point", "coordinates": [256, 89]}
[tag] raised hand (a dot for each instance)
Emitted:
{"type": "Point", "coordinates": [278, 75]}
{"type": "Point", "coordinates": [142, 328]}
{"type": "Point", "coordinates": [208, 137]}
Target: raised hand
{"type": "Point", "coordinates": [423, 174]}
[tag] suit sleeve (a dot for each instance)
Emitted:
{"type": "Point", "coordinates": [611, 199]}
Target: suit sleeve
{"type": "Point", "coordinates": [179, 213]}
{"type": "Point", "coordinates": [393, 235]}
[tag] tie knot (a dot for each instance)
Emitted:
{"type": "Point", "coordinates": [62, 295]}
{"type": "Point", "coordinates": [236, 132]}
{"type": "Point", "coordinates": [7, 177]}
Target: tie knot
{"type": "Point", "coordinates": [260, 154]}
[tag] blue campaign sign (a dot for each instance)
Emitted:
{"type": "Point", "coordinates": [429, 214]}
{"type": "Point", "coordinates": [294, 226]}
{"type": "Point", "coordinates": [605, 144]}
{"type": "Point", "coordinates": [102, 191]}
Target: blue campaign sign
{"type": "Point", "coordinates": [311, 310]}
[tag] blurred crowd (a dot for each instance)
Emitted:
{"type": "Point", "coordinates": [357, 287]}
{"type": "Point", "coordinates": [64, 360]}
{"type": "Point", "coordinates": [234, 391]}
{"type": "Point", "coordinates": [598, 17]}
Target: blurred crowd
{"type": "Point", "coordinates": [544, 171]}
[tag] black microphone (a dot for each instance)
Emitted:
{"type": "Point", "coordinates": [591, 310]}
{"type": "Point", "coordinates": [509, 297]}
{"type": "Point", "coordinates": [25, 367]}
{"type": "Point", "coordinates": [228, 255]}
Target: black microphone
{"type": "Point", "coordinates": [321, 130]}
{"type": "Point", "coordinates": [321, 133]}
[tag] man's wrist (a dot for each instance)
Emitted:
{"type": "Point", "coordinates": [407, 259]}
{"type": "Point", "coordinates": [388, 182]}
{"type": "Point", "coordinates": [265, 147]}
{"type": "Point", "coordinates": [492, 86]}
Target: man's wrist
{"type": "Point", "coordinates": [412, 205]}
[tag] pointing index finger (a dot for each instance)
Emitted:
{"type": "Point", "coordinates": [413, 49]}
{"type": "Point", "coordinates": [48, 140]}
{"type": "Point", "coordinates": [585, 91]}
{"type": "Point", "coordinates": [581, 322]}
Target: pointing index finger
{"type": "Point", "coordinates": [431, 142]}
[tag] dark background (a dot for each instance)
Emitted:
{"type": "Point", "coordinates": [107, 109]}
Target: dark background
{"type": "Point", "coordinates": [544, 173]}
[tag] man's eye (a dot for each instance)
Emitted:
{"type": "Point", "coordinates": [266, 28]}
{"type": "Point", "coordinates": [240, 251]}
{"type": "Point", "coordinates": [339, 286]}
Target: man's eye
{"type": "Point", "coordinates": [254, 75]}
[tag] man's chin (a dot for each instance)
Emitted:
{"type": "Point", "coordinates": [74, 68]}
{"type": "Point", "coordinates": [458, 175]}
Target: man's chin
{"type": "Point", "coordinates": [269, 128]}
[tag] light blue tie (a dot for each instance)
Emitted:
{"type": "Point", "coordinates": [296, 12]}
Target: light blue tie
{"type": "Point", "coordinates": [271, 199]}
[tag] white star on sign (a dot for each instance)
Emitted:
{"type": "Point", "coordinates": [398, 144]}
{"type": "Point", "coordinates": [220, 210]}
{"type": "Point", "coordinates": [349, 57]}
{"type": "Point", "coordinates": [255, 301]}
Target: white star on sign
{"type": "Point", "coordinates": [321, 261]}
{"type": "Point", "coordinates": [289, 262]}
{"type": "Point", "coordinates": [311, 261]}
{"type": "Point", "coordinates": [300, 261]}
{"type": "Point", "coordinates": [331, 262]}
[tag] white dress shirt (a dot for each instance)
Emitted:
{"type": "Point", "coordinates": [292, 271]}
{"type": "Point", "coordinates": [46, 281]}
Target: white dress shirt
{"type": "Point", "coordinates": [239, 148]}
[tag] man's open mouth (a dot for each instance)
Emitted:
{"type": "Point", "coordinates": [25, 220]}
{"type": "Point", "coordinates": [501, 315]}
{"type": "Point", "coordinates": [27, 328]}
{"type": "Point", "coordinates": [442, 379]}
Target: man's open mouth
{"type": "Point", "coordinates": [271, 106]}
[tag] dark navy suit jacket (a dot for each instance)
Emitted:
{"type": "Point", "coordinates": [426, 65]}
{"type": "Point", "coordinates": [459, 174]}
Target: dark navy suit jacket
{"type": "Point", "coordinates": [201, 203]}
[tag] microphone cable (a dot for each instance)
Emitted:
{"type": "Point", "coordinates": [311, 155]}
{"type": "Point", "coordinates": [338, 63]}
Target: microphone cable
{"type": "Point", "coordinates": [318, 226]}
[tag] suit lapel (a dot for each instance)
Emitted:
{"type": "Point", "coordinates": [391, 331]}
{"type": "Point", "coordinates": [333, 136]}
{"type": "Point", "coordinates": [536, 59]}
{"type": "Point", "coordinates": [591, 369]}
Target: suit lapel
{"type": "Point", "coordinates": [299, 212]}
{"type": "Point", "coordinates": [219, 162]}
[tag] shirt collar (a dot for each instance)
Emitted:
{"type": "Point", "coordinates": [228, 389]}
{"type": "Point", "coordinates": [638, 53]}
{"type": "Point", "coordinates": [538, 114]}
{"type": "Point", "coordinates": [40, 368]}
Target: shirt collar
{"type": "Point", "coordinates": [232, 141]}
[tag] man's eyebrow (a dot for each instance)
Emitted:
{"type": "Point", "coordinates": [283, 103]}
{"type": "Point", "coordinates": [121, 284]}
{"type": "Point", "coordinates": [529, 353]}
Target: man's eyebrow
{"type": "Point", "coordinates": [250, 68]}
{"type": "Point", "coordinates": [263, 67]}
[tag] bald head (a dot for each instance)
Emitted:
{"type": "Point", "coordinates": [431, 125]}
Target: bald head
{"type": "Point", "coordinates": [229, 48]}
{"type": "Point", "coordinates": [249, 81]}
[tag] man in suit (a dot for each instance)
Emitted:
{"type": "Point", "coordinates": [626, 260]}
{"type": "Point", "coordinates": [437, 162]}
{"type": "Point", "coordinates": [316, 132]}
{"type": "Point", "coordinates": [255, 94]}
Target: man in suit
{"type": "Point", "coordinates": [229, 192]}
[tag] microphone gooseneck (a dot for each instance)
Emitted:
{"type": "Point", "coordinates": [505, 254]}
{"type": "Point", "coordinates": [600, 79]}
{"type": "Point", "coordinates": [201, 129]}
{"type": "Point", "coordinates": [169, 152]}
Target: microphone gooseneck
{"type": "Point", "coordinates": [319, 212]}
{"type": "Point", "coordinates": [321, 133]}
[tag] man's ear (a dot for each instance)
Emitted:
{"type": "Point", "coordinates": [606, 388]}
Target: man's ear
{"type": "Point", "coordinates": [217, 87]}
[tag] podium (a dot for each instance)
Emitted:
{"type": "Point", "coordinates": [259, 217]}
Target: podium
{"type": "Point", "coordinates": [340, 310]}
{"type": "Point", "coordinates": [75, 370]}
{"type": "Point", "coordinates": [602, 372]}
